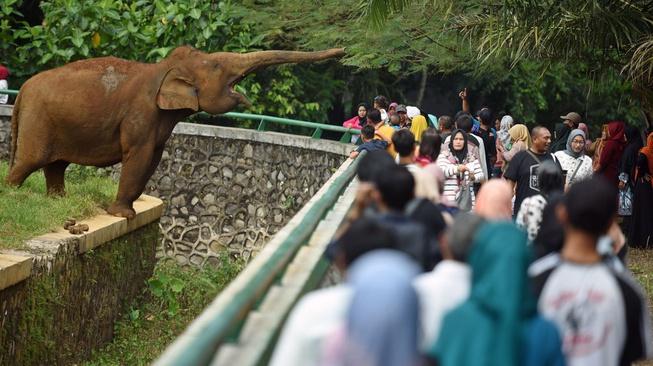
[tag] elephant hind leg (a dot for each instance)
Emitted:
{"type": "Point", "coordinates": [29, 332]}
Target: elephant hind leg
{"type": "Point", "coordinates": [20, 171]}
{"type": "Point", "coordinates": [54, 177]}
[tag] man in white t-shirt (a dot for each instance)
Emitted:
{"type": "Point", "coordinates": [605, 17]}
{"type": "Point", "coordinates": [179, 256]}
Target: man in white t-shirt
{"type": "Point", "coordinates": [600, 312]}
{"type": "Point", "coordinates": [448, 284]}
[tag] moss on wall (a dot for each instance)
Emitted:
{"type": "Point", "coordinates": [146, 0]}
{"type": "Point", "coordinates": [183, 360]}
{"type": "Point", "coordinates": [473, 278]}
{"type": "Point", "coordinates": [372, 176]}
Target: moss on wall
{"type": "Point", "coordinates": [69, 305]}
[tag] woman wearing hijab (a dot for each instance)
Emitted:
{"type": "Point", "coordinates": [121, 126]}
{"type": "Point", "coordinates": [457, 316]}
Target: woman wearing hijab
{"type": "Point", "coordinates": [641, 229]}
{"type": "Point", "coordinates": [418, 125]}
{"type": "Point", "coordinates": [573, 159]}
{"type": "Point", "coordinates": [612, 151]}
{"type": "Point", "coordinates": [627, 174]}
{"type": "Point", "coordinates": [461, 169]}
{"type": "Point", "coordinates": [499, 323]}
{"type": "Point", "coordinates": [383, 316]}
{"type": "Point", "coordinates": [504, 142]}
{"type": "Point", "coordinates": [629, 158]}
{"type": "Point", "coordinates": [597, 147]}
{"type": "Point", "coordinates": [520, 140]}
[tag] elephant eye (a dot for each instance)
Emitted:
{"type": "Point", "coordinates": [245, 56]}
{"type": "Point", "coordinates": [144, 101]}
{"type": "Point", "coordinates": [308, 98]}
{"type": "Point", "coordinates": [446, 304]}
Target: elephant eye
{"type": "Point", "coordinates": [216, 66]}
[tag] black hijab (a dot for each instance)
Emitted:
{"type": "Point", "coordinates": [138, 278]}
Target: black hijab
{"type": "Point", "coordinates": [629, 158]}
{"type": "Point", "coordinates": [362, 121]}
{"type": "Point", "coordinates": [459, 154]}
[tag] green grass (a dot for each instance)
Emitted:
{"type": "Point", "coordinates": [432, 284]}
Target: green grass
{"type": "Point", "coordinates": [27, 211]}
{"type": "Point", "coordinates": [144, 332]}
{"type": "Point", "coordinates": [640, 262]}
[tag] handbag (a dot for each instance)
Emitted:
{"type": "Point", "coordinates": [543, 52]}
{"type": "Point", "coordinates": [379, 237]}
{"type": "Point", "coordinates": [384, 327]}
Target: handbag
{"type": "Point", "coordinates": [625, 202]}
{"type": "Point", "coordinates": [571, 180]}
{"type": "Point", "coordinates": [464, 198]}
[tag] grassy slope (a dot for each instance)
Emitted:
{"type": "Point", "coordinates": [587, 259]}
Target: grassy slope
{"type": "Point", "coordinates": [146, 331]}
{"type": "Point", "coordinates": [27, 211]}
{"type": "Point", "coordinates": [641, 263]}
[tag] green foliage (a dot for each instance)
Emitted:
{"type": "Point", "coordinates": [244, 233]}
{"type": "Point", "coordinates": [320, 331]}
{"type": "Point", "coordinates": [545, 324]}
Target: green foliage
{"type": "Point", "coordinates": [67, 306]}
{"type": "Point", "coordinates": [27, 211]}
{"type": "Point", "coordinates": [528, 58]}
{"type": "Point", "coordinates": [147, 31]}
{"type": "Point", "coordinates": [148, 329]}
{"type": "Point", "coordinates": [166, 289]}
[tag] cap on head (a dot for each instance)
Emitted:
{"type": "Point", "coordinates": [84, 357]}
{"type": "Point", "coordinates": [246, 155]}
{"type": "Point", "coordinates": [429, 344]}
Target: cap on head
{"type": "Point", "coordinates": [573, 117]}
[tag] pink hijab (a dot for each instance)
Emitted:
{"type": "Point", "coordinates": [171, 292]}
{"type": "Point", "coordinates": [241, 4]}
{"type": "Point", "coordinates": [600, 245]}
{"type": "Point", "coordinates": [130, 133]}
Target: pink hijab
{"type": "Point", "coordinates": [583, 127]}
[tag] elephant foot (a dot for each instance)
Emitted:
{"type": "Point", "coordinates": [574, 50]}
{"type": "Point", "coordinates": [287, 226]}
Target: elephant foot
{"type": "Point", "coordinates": [56, 192]}
{"type": "Point", "coordinates": [121, 210]}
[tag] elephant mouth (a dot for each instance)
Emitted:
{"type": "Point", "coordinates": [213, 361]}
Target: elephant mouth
{"type": "Point", "coordinates": [236, 95]}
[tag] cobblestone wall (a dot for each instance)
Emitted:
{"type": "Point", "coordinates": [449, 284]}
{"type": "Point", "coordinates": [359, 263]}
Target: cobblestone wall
{"type": "Point", "coordinates": [5, 131]}
{"type": "Point", "coordinates": [229, 189]}
{"type": "Point", "coordinates": [232, 191]}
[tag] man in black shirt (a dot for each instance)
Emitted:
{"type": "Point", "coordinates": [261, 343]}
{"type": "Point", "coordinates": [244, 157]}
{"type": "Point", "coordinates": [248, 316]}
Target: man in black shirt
{"type": "Point", "coordinates": [522, 171]}
{"type": "Point", "coordinates": [489, 139]}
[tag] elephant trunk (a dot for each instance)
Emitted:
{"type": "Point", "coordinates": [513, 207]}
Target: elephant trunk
{"type": "Point", "coordinates": [249, 62]}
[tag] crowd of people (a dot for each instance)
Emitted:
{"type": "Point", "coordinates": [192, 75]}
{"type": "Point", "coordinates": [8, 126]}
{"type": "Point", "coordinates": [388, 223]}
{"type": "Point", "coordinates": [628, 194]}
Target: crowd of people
{"type": "Point", "coordinates": [475, 240]}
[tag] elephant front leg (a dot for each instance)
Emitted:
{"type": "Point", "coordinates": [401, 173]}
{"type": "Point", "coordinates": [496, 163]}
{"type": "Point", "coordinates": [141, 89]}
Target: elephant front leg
{"type": "Point", "coordinates": [136, 171]}
{"type": "Point", "coordinates": [54, 177]}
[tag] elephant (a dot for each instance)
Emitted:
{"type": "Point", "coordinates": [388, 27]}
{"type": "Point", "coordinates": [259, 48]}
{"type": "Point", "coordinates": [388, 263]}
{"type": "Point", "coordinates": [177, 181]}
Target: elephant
{"type": "Point", "coordinates": [102, 111]}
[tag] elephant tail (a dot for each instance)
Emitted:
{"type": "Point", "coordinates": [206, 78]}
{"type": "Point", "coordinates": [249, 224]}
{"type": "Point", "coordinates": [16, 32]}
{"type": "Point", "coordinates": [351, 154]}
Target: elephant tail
{"type": "Point", "coordinates": [14, 131]}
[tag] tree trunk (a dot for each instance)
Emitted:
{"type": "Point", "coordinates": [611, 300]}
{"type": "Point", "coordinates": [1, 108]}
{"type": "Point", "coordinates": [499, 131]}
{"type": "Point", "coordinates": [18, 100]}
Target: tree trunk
{"type": "Point", "coordinates": [422, 87]}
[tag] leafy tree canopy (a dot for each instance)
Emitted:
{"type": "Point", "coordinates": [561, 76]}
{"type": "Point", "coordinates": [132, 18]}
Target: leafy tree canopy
{"type": "Point", "coordinates": [533, 59]}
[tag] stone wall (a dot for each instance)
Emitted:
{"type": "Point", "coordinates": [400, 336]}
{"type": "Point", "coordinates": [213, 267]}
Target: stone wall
{"type": "Point", "coordinates": [68, 306]}
{"type": "Point", "coordinates": [5, 130]}
{"type": "Point", "coordinates": [232, 189]}
{"type": "Point", "coordinates": [228, 188]}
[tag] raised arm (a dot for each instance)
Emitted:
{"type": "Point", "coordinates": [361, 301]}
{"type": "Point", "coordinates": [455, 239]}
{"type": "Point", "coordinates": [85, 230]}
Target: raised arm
{"type": "Point", "coordinates": [463, 96]}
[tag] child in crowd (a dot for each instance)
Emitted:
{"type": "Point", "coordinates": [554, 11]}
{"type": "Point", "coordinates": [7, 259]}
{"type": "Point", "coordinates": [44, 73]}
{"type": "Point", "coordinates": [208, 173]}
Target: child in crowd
{"type": "Point", "coordinates": [369, 143]}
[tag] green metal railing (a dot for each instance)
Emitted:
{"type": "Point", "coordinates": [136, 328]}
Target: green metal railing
{"type": "Point", "coordinates": [215, 327]}
{"type": "Point", "coordinates": [318, 128]}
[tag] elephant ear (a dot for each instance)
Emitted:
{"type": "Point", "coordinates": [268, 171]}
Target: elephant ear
{"type": "Point", "coordinates": [177, 92]}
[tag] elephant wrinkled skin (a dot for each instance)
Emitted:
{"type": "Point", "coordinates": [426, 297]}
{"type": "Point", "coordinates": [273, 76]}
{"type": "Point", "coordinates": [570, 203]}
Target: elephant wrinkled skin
{"type": "Point", "coordinates": [107, 110]}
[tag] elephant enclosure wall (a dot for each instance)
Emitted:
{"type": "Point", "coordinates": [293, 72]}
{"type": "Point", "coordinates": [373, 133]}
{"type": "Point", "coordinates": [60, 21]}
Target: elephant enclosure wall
{"type": "Point", "coordinates": [5, 131]}
{"type": "Point", "coordinates": [232, 189]}
{"type": "Point", "coordinates": [228, 189]}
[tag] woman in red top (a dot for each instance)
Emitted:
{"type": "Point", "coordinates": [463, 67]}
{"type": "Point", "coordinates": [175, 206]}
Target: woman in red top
{"type": "Point", "coordinates": [612, 150]}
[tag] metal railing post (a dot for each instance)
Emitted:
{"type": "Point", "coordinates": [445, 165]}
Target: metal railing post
{"type": "Point", "coordinates": [262, 126]}
{"type": "Point", "coordinates": [317, 134]}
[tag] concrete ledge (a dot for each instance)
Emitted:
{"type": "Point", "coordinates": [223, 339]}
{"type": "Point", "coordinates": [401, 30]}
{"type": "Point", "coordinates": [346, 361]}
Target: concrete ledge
{"type": "Point", "coordinates": [6, 110]}
{"type": "Point", "coordinates": [103, 227]}
{"type": "Point", "coordinates": [16, 265]}
{"type": "Point", "coordinates": [14, 269]}
{"type": "Point", "coordinates": [59, 306]}
{"type": "Point", "coordinates": [268, 137]}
